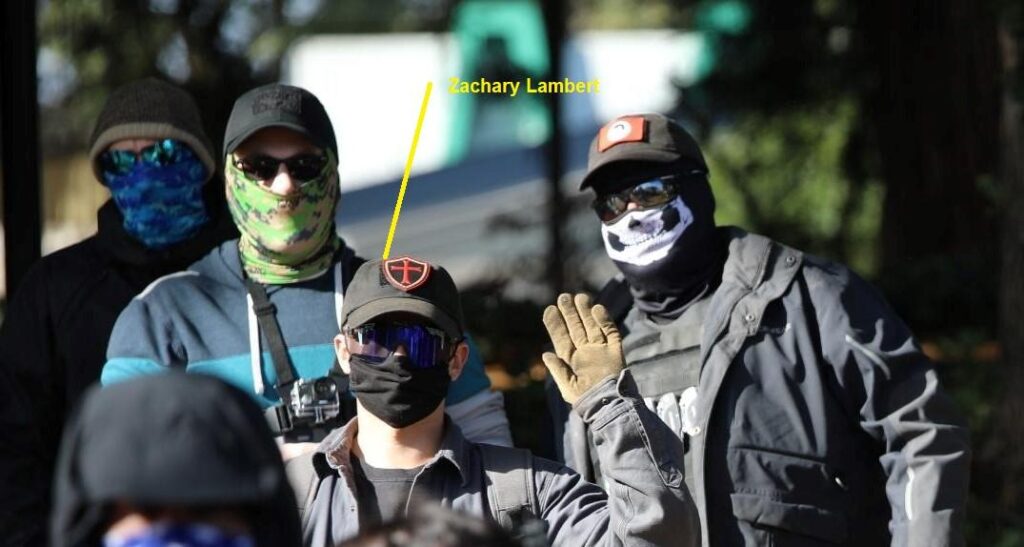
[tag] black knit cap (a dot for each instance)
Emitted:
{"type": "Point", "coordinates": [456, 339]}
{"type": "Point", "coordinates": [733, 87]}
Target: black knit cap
{"type": "Point", "coordinates": [279, 105]}
{"type": "Point", "coordinates": [642, 138]}
{"type": "Point", "coordinates": [403, 285]}
{"type": "Point", "coordinates": [151, 109]}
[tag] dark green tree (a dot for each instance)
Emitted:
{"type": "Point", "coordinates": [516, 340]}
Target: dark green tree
{"type": "Point", "coordinates": [935, 126]}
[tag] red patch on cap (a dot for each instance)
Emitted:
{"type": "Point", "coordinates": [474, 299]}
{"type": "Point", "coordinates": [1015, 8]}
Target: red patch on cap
{"type": "Point", "coordinates": [627, 129]}
{"type": "Point", "coordinates": [405, 273]}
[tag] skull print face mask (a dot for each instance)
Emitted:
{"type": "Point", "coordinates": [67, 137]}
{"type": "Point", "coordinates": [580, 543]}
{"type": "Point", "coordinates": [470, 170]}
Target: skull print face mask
{"type": "Point", "coordinates": [668, 250]}
{"type": "Point", "coordinates": [645, 236]}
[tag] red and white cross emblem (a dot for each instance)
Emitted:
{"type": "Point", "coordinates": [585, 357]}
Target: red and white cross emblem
{"type": "Point", "coordinates": [405, 273]}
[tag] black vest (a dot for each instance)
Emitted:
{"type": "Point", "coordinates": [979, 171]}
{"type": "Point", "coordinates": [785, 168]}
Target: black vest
{"type": "Point", "coordinates": [665, 363]}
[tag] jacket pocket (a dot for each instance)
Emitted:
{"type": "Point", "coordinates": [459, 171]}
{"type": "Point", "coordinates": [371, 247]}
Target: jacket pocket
{"type": "Point", "coordinates": [782, 499]}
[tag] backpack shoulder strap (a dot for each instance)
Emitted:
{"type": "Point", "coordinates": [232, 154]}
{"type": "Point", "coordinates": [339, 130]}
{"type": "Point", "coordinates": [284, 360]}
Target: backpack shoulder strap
{"type": "Point", "coordinates": [304, 480]}
{"type": "Point", "coordinates": [510, 485]}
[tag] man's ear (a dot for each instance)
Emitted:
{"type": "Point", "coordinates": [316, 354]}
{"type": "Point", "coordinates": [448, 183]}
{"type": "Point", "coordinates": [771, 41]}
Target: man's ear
{"type": "Point", "coordinates": [458, 360]}
{"type": "Point", "coordinates": [342, 352]}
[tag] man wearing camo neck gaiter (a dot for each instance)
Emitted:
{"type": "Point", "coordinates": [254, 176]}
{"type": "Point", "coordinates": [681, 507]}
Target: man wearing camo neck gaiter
{"type": "Point", "coordinates": [280, 156]}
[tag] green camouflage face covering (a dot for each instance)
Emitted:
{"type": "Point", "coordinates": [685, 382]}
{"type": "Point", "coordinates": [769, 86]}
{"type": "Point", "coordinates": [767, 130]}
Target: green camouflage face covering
{"type": "Point", "coordinates": [284, 239]}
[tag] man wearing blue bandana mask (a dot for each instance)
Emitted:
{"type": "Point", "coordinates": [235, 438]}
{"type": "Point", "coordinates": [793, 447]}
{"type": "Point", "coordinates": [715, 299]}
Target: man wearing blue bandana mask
{"type": "Point", "coordinates": [806, 410]}
{"type": "Point", "coordinates": [158, 187]}
{"type": "Point", "coordinates": [167, 210]}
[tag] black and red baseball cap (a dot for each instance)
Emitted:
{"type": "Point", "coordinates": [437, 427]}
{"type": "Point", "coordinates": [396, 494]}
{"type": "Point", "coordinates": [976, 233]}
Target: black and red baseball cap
{"type": "Point", "coordinates": [643, 138]}
{"type": "Point", "coordinates": [403, 285]}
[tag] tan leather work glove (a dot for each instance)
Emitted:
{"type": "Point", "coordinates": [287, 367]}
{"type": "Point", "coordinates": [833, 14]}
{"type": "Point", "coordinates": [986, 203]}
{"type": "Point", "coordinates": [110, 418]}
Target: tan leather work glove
{"type": "Point", "coordinates": [588, 347]}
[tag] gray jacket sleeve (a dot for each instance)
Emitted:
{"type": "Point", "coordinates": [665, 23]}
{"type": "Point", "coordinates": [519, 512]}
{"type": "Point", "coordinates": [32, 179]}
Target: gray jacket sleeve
{"type": "Point", "coordinates": [894, 390]}
{"type": "Point", "coordinates": [646, 503]}
{"type": "Point", "coordinates": [482, 418]}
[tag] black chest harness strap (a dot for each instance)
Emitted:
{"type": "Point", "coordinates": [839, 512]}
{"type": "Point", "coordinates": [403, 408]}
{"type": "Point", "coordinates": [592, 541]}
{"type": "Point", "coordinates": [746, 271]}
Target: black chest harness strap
{"type": "Point", "coordinates": [266, 315]}
{"type": "Point", "coordinates": [265, 312]}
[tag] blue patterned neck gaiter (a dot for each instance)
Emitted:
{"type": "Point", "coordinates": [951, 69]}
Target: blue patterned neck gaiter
{"type": "Point", "coordinates": [181, 535]}
{"type": "Point", "coordinates": [161, 204]}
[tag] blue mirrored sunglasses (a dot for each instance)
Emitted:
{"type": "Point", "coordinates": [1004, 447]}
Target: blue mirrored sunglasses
{"type": "Point", "coordinates": [425, 346]}
{"type": "Point", "coordinates": [164, 152]}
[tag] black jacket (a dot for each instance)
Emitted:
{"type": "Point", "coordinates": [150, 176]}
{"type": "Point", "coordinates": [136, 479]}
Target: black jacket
{"type": "Point", "coordinates": [818, 421]}
{"type": "Point", "coordinates": [53, 345]}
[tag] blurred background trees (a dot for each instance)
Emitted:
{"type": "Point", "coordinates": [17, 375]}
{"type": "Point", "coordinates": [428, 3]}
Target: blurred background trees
{"type": "Point", "coordinates": [910, 110]}
{"type": "Point", "coordinates": [887, 135]}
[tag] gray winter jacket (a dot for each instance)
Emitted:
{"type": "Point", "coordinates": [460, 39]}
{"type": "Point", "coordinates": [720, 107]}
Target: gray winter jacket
{"type": "Point", "coordinates": [818, 420]}
{"type": "Point", "coordinates": [647, 504]}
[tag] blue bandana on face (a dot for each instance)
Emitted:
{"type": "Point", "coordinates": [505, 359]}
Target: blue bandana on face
{"type": "Point", "coordinates": [161, 204]}
{"type": "Point", "coordinates": [181, 535]}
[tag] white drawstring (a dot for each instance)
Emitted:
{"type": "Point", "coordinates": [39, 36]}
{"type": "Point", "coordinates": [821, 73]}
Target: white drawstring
{"type": "Point", "coordinates": [339, 294]}
{"type": "Point", "coordinates": [255, 355]}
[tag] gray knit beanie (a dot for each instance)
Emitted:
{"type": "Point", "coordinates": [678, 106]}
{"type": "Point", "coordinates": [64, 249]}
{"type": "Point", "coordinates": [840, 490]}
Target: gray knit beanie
{"type": "Point", "coordinates": [151, 109]}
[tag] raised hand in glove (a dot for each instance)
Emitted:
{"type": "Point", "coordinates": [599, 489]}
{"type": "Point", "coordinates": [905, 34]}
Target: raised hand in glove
{"type": "Point", "coordinates": [588, 347]}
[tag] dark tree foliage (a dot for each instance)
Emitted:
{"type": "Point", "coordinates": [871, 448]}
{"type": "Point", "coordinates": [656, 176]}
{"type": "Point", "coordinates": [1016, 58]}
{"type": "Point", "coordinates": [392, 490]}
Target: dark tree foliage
{"type": "Point", "coordinates": [936, 84]}
{"type": "Point", "coordinates": [999, 455]}
{"type": "Point", "coordinates": [935, 114]}
{"type": "Point", "coordinates": [200, 44]}
{"type": "Point", "coordinates": [924, 78]}
{"type": "Point", "coordinates": [215, 49]}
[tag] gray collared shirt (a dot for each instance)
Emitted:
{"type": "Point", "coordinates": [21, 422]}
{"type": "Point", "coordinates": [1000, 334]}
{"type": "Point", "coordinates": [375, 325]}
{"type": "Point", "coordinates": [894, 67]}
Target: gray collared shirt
{"type": "Point", "coordinates": [648, 503]}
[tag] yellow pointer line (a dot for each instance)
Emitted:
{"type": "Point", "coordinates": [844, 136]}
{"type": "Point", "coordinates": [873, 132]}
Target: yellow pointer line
{"type": "Point", "coordinates": [408, 168]}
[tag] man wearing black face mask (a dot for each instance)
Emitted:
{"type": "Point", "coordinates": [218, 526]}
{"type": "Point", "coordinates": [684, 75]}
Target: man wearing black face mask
{"type": "Point", "coordinates": [807, 411]}
{"type": "Point", "coordinates": [402, 344]}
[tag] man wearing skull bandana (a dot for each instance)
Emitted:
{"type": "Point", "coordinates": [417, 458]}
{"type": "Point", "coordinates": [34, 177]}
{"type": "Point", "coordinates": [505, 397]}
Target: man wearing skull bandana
{"type": "Point", "coordinates": [807, 411]}
{"type": "Point", "coordinates": [401, 341]}
{"type": "Point", "coordinates": [260, 311]}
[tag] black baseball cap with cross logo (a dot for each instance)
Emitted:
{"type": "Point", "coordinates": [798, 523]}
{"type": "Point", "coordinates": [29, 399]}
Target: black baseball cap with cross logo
{"type": "Point", "coordinates": [403, 285]}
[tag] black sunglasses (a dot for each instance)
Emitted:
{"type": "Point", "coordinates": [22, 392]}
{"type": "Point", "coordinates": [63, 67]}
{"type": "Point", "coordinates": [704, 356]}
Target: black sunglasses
{"type": "Point", "coordinates": [644, 193]}
{"type": "Point", "coordinates": [303, 168]}
{"type": "Point", "coordinates": [161, 153]}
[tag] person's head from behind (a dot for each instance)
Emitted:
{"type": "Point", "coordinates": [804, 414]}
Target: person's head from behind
{"type": "Point", "coordinates": [431, 525]}
{"type": "Point", "coordinates": [652, 196]}
{"type": "Point", "coordinates": [149, 149]}
{"type": "Point", "coordinates": [171, 459]}
{"type": "Point", "coordinates": [401, 341]}
{"type": "Point", "coordinates": [280, 158]}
